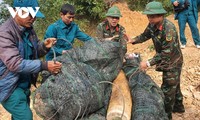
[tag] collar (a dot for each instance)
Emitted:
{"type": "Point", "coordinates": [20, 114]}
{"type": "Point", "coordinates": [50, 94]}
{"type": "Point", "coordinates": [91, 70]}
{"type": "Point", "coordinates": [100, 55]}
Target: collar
{"type": "Point", "coordinates": [116, 28]}
{"type": "Point", "coordinates": [160, 27]}
{"type": "Point", "coordinates": [63, 25]}
{"type": "Point", "coordinates": [20, 29]}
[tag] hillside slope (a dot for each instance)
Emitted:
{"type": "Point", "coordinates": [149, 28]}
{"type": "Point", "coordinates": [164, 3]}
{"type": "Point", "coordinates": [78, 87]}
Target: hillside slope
{"type": "Point", "coordinates": [135, 23]}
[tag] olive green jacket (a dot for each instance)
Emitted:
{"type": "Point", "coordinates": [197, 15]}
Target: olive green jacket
{"type": "Point", "coordinates": [103, 31]}
{"type": "Point", "coordinates": [165, 39]}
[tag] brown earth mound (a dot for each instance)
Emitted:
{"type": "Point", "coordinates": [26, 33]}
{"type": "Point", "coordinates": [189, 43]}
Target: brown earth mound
{"type": "Point", "coordinates": [135, 23]}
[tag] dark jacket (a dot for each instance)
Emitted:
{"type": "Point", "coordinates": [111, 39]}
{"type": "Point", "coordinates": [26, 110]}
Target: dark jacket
{"type": "Point", "coordinates": [12, 63]}
{"type": "Point", "coordinates": [195, 4]}
{"type": "Point", "coordinates": [65, 35]}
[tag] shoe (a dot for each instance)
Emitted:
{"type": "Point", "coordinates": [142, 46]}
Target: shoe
{"type": "Point", "coordinates": [198, 46]}
{"type": "Point", "coordinates": [178, 109]}
{"type": "Point", "coordinates": [182, 46]}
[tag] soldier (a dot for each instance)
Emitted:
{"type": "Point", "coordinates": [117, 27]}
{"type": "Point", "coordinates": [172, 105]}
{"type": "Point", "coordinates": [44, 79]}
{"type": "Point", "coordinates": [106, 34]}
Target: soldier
{"type": "Point", "coordinates": [110, 29]}
{"type": "Point", "coordinates": [168, 58]}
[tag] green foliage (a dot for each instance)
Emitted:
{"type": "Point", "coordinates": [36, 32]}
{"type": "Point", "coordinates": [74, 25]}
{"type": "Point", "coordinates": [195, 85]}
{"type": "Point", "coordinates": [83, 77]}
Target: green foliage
{"type": "Point", "coordinates": [4, 13]}
{"type": "Point", "coordinates": [78, 43]}
{"type": "Point", "coordinates": [9, 2]}
{"type": "Point", "coordinates": [51, 10]}
{"type": "Point", "coordinates": [86, 10]}
{"type": "Point", "coordinates": [167, 5]}
{"type": "Point", "coordinates": [93, 9]}
{"type": "Point", "coordinates": [151, 48]}
{"type": "Point", "coordinates": [140, 4]}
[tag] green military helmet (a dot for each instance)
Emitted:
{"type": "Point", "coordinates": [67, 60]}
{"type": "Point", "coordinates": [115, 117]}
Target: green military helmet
{"type": "Point", "coordinates": [154, 8]}
{"type": "Point", "coordinates": [113, 12]}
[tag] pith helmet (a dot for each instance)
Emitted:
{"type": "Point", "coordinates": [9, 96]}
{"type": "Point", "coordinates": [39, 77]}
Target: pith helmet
{"type": "Point", "coordinates": [113, 12]}
{"type": "Point", "coordinates": [154, 8]}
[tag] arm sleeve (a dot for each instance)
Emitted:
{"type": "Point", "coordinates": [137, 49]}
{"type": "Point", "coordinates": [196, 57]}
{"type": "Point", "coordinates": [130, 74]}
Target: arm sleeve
{"type": "Point", "coordinates": [146, 35]}
{"type": "Point", "coordinates": [51, 32]}
{"type": "Point", "coordinates": [81, 35]}
{"type": "Point", "coordinates": [13, 61]}
{"type": "Point", "coordinates": [99, 32]}
{"type": "Point", "coordinates": [156, 59]}
{"type": "Point", "coordinates": [168, 45]}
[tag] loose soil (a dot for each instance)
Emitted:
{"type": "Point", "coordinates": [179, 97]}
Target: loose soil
{"type": "Point", "coordinates": [135, 23]}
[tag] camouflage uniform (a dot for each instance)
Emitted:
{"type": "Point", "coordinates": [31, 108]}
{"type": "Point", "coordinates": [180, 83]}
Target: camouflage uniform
{"type": "Point", "coordinates": [168, 59]}
{"type": "Point", "coordinates": [104, 31]}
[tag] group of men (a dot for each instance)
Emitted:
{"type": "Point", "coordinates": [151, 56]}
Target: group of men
{"type": "Point", "coordinates": [21, 49]}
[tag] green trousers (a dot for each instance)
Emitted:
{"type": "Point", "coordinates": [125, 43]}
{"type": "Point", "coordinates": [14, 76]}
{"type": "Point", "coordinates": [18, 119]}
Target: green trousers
{"type": "Point", "coordinates": [171, 90]}
{"type": "Point", "coordinates": [18, 105]}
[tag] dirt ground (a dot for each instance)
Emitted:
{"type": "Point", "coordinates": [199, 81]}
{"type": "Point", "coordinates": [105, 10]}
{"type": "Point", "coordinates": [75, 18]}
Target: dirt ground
{"type": "Point", "coordinates": [135, 23]}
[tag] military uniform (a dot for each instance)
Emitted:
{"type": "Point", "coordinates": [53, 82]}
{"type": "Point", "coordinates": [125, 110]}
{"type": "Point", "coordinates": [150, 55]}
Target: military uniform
{"type": "Point", "coordinates": [104, 29]}
{"type": "Point", "coordinates": [165, 39]}
{"type": "Point", "coordinates": [168, 57]}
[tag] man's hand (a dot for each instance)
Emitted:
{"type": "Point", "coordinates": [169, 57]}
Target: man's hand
{"type": "Point", "coordinates": [175, 3]}
{"type": "Point", "coordinates": [131, 40]}
{"type": "Point", "coordinates": [111, 38]}
{"type": "Point", "coordinates": [143, 65]}
{"type": "Point", "coordinates": [131, 55]}
{"type": "Point", "coordinates": [54, 67]}
{"type": "Point", "coordinates": [126, 37]}
{"type": "Point", "coordinates": [64, 51]}
{"type": "Point", "coordinates": [49, 42]}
